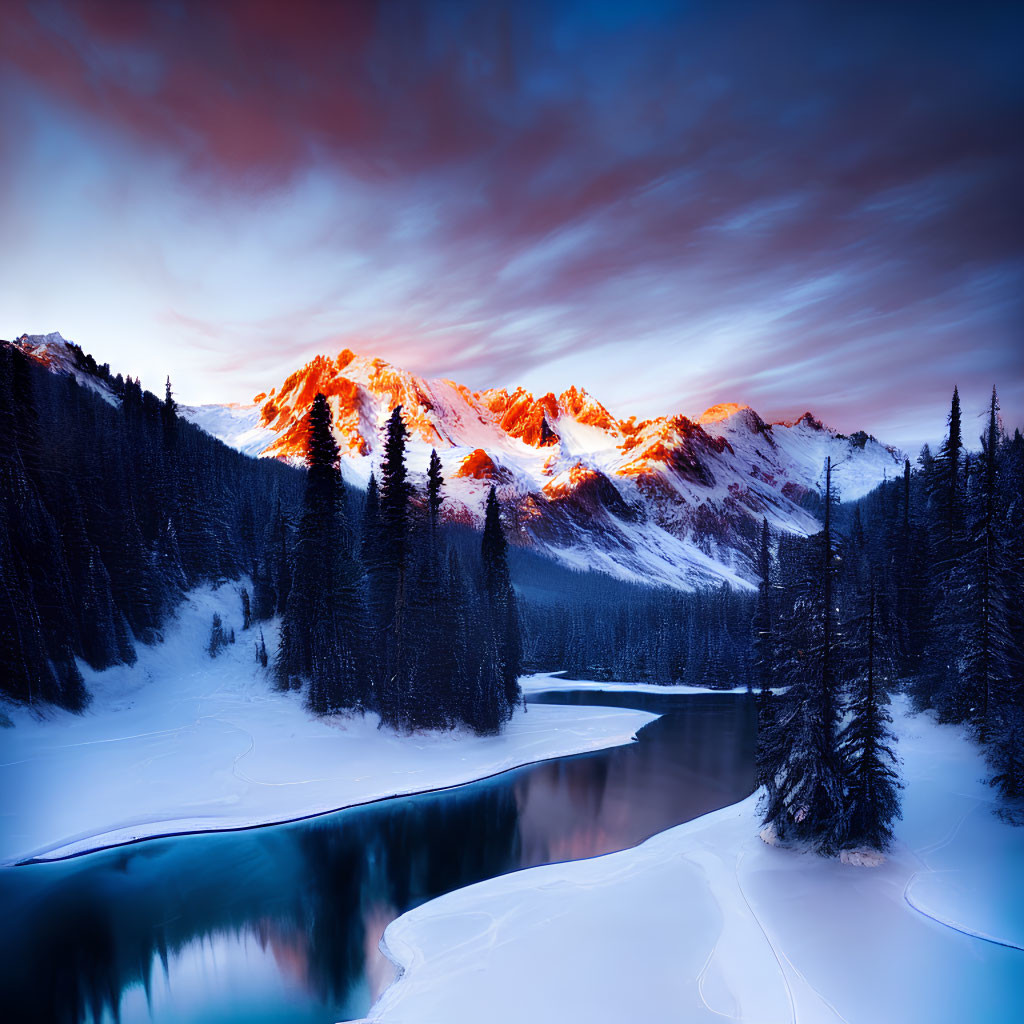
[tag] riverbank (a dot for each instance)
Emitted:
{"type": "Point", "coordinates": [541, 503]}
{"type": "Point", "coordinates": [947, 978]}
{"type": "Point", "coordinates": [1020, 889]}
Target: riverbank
{"type": "Point", "coordinates": [705, 922]}
{"type": "Point", "coordinates": [541, 681]}
{"type": "Point", "coordinates": [180, 742]}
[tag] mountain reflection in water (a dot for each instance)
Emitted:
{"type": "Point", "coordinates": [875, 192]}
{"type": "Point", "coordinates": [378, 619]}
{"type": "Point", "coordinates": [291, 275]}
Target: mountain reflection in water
{"type": "Point", "coordinates": [282, 923]}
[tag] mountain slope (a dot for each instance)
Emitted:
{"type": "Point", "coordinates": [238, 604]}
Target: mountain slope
{"type": "Point", "coordinates": [668, 500]}
{"type": "Point", "coordinates": [109, 510]}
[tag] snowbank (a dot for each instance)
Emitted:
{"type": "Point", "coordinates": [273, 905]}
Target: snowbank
{"type": "Point", "coordinates": [541, 681]}
{"type": "Point", "coordinates": [706, 921]}
{"type": "Point", "coordinates": [182, 743]}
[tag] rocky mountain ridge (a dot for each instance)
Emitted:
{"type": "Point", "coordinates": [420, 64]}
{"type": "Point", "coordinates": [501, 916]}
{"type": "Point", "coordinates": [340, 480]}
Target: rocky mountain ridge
{"type": "Point", "coordinates": [670, 500]}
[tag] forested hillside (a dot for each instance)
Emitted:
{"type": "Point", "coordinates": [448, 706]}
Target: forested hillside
{"type": "Point", "coordinates": [109, 511]}
{"type": "Point", "coordinates": [383, 613]}
{"type": "Point", "coordinates": [920, 585]}
{"type": "Point", "coordinates": [112, 506]}
{"type": "Point", "coordinates": [597, 627]}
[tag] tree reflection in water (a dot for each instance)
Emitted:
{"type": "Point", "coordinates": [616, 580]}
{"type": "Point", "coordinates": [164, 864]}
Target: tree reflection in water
{"type": "Point", "coordinates": [282, 923]}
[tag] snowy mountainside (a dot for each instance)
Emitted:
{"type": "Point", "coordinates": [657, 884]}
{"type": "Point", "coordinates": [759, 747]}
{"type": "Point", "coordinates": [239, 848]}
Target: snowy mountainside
{"type": "Point", "coordinates": [668, 500]}
{"type": "Point", "coordinates": [234, 424]}
{"type": "Point", "coordinates": [62, 356]}
{"type": "Point", "coordinates": [671, 500]}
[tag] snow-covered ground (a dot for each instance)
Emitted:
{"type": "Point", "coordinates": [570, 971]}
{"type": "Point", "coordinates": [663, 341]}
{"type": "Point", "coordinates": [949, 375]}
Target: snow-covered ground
{"type": "Point", "coordinates": [179, 743]}
{"type": "Point", "coordinates": [541, 681]}
{"type": "Point", "coordinates": [705, 922]}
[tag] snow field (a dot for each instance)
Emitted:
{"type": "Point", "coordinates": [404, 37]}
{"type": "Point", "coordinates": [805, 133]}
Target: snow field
{"type": "Point", "coordinates": [180, 742]}
{"type": "Point", "coordinates": [705, 922]}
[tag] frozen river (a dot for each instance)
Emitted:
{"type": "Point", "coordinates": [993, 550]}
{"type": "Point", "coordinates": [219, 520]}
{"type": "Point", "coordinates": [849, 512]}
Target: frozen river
{"type": "Point", "coordinates": [281, 923]}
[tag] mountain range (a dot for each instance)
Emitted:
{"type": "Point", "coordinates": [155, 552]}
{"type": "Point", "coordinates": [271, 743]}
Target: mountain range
{"type": "Point", "coordinates": [669, 500]}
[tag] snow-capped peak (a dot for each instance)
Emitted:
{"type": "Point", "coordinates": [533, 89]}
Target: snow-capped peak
{"type": "Point", "coordinates": [720, 412]}
{"type": "Point", "coordinates": [51, 349]}
{"type": "Point", "coordinates": [667, 499]}
{"type": "Point", "coordinates": [60, 355]}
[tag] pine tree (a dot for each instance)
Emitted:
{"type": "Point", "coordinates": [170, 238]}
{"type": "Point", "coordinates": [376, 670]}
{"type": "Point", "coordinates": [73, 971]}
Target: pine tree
{"type": "Point", "coordinates": [866, 742]}
{"type": "Point", "coordinates": [247, 533]}
{"type": "Point", "coordinates": [911, 606]}
{"type": "Point", "coordinates": [435, 480]}
{"type": "Point", "coordinates": [762, 622]}
{"type": "Point", "coordinates": [392, 573]}
{"type": "Point", "coordinates": [272, 575]}
{"type": "Point", "coordinates": [323, 629]}
{"type": "Point", "coordinates": [799, 762]}
{"type": "Point", "coordinates": [218, 638]}
{"type": "Point", "coordinates": [169, 417]}
{"type": "Point", "coordinates": [433, 619]}
{"type": "Point", "coordinates": [104, 633]}
{"type": "Point", "coordinates": [948, 485]}
{"type": "Point", "coordinates": [1006, 749]}
{"type": "Point", "coordinates": [501, 605]}
{"type": "Point", "coordinates": [986, 641]}
{"type": "Point", "coordinates": [940, 681]}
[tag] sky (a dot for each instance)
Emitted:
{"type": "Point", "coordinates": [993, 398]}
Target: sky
{"type": "Point", "coordinates": [812, 205]}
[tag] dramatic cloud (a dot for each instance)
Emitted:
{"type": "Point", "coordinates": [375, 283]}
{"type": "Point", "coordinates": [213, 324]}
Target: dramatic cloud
{"type": "Point", "coordinates": [792, 204]}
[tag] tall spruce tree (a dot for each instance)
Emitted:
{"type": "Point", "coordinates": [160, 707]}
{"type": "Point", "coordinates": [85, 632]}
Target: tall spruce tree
{"type": "Point", "coordinates": [441, 595]}
{"type": "Point", "coordinates": [1006, 749]}
{"type": "Point", "coordinates": [799, 761]}
{"type": "Point", "coordinates": [169, 416]}
{"type": "Point", "coordinates": [948, 495]}
{"type": "Point", "coordinates": [392, 575]}
{"type": "Point", "coordinates": [427, 701]}
{"type": "Point", "coordinates": [987, 646]}
{"type": "Point", "coordinates": [908, 563]}
{"type": "Point", "coordinates": [866, 741]}
{"type": "Point", "coordinates": [501, 606]}
{"type": "Point", "coordinates": [940, 684]}
{"type": "Point", "coordinates": [323, 630]}
{"type": "Point", "coordinates": [762, 622]}
{"type": "Point", "coordinates": [435, 481]}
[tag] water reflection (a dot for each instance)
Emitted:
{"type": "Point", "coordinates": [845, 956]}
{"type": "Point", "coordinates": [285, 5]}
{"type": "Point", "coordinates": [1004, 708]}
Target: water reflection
{"type": "Point", "coordinates": [283, 923]}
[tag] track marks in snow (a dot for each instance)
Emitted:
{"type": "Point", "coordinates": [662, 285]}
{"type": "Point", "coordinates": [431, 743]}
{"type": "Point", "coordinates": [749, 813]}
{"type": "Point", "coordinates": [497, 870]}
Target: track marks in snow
{"type": "Point", "coordinates": [782, 971]}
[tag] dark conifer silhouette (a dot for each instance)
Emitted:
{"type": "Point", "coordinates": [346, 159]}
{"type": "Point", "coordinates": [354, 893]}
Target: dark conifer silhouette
{"type": "Point", "coordinates": [391, 576]}
{"type": "Point", "coordinates": [987, 660]}
{"type": "Point", "coordinates": [762, 624]}
{"type": "Point", "coordinates": [323, 631]}
{"type": "Point", "coordinates": [500, 606]}
{"type": "Point", "coordinates": [867, 743]}
{"type": "Point", "coordinates": [218, 638]}
{"type": "Point", "coordinates": [800, 764]}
